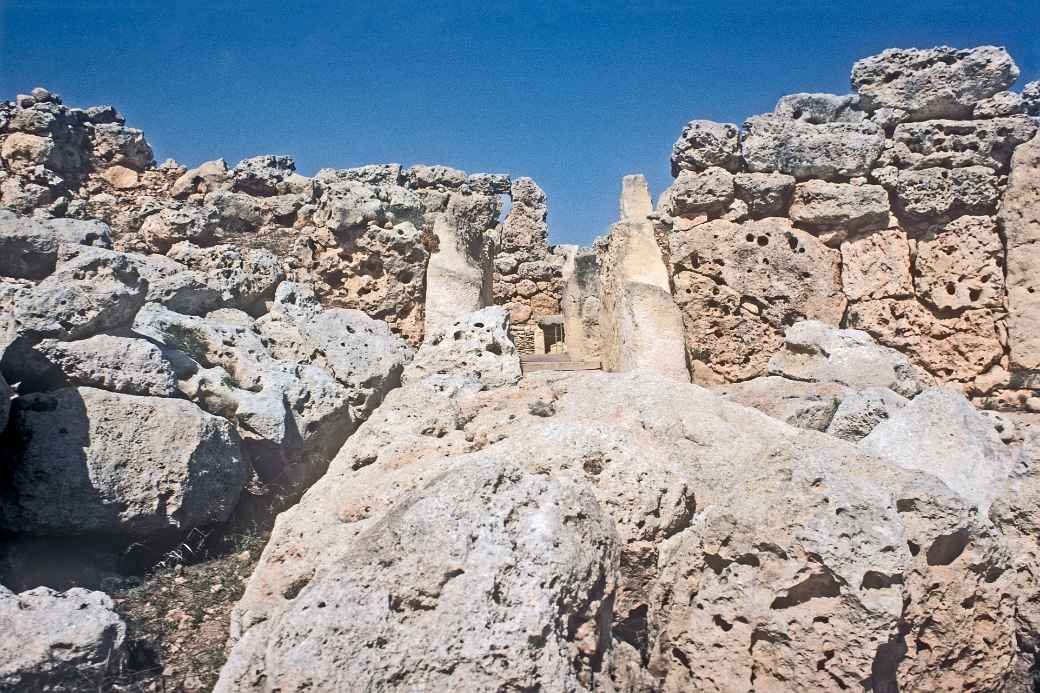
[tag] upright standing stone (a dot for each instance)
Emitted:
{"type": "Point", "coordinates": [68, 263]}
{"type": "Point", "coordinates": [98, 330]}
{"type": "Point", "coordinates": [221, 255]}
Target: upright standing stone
{"type": "Point", "coordinates": [458, 276]}
{"type": "Point", "coordinates": [580, 303]}
{"type": "Point", "coordinates": [640, 324]}
{"type": "Point", "coordinates": [1020, 215]}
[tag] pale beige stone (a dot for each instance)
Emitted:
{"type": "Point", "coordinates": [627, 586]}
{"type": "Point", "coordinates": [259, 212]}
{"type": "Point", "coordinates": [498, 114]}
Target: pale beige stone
{"type": "Point", "coordinates": [641, 327]}
{"type": "Point", "coordinates": [120, 177]}
{"type": "Point", "coordinates": [1020, 216]}
{"type": "Point", "coordinates": [959, 266]}
{"type": "Point", "coordinates": [22, 151]}
{"type": "Point", "coordinates": [876, 265]}
{"type": "Point", "coordinates": [956, 348]}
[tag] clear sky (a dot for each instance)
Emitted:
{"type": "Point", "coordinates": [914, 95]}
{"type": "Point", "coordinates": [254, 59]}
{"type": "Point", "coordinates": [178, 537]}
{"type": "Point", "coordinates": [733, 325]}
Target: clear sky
{"type": "Point", "coordinates": [574, 95]}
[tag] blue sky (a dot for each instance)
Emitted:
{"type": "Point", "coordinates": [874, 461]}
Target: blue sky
{"type": "Point", "coordinates": [573, 95]}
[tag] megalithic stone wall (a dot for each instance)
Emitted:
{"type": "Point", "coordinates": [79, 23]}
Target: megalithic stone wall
{"type": "Point", "coordinates": [528, 276]}
{"type": "Point", "coordinates": [876, 210]}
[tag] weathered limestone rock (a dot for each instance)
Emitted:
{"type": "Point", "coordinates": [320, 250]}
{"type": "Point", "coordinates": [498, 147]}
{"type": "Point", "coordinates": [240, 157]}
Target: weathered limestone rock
{"type": "Point", "coordinates": [522, 253]}
{"type": "Point", "coordinates": [739, 285]}
{"type": "Point", "coordinates": [580, 304]}
{"type": "Point", "coordinates": [58, 641]}
{"type": "Point", "coordinates": [820, 108]}
{"type": "Point", "coordinates": [459, 273]}
{"type": "Point", "coordinates": [708, 192]}
{"type": "Point", "coordinates": [861, 411]}
{"type": "Point", "coordinates": [207, 177]}
{"type": "Point", "coordinates": [92, 291]}
{"type": "Point", "coordinates": [121, 177]}
{"type": "Point", "coordinates": [244, 278]}
{"type": "Point", "coordinates": [1016, 512]}
{"type": "Point", "coordinates": [428, 633]}
{"type": "Point", "coordinates": [89, 461]}
{"type": "Point", "coordinates": [704, 144]}
{"type": "Point", "coordinates": [766, 194]}
{"type": "Point", "coordinates": [1001, 104]}
{"type": "Point", "coordinates": [1020, 219]}
{"type": "Point", "coordinates": [941, 433]}
{"type": "Point", "coordinates": [107, 362]}
{"type": "Point", "coordinates": [171, 225]}
{"type": "Point", "coordinates": [29, 247]}
{"type": "Point", "coordinates": [957, 348]}
{"type": "Point", "coordinates": [641, 327]}
{"type": "Point", "coordinates": [1031, 98]}
{"type": "Point", "coordinates": [691, 597]}
{"type": "Point", "coordinates": [23, 152]}
{"type": "Point", "coordinates": [827, 151]}
{"type": "Point", "coordinates": [815, 352]}
{"type": "Point", "coordinates": [937, 195]}
{"type": "Point", "coordinates": [264, 176]}
{"type": "Point", "coordinates": [800, 404]}
{"type": "Point", "coordinates": [474, 349]}
{"type": "Point", "coordinates": [837, 210]}
{"type": "Point", "coordinates": [932, 83]}
{"type": "Point", "coordinates": [296, 382]}
{"type": "Point", "coordinates": [957, 143]}
{"type": "Point", "coordinates": [117, 145]}
{"type": "Point", "coordinates": [876, 265]}
{"type": "Point", "coordinates": [961, 266]}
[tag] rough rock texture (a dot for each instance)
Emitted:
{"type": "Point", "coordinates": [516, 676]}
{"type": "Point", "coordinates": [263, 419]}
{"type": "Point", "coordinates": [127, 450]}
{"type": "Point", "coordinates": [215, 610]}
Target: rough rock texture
{"type": "Point", "coordinates": [924, 179]}
{"type": "Point", "coordinates": [527, 277]}
{"type": "Point", "coordinates": [58, 641]}
{"type": "Point", "coordinates": [876, 265]}
{"type": "Point", "coordinates": [296, 382]}
{"type": "Point", "coordinates": [29, 248]}
{"type": "Point", "coordinates": [704, 144]}
{"type": "Point", "coordinates": [871, 573]}
{"type": "Point", "coordinates": [87, 460]}
{"type": "Point", "coordinates": [740, 285]}
{"type": "Point", "coordinates": [1020, 219]}
{"type": "Point", "coordinates": [774, 143]}
{"type": "Point", "coordinates": [839, 209]}
{"type": "Point", "coordinates": [816, 353]}
{"type": "Point", "coordinates": [932, 83]}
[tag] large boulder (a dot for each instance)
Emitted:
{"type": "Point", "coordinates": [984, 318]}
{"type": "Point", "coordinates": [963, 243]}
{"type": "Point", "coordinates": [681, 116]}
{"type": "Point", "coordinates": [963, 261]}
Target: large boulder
{"type": "Point", "coordinates": [798, 403]}
{"type": "Point", "coordinates": [956, 143]}
{"type": "Point", "coordinates": [296, 382]}
{"type": "Point", "coordinates": [732, 561]}
{"type": "Point", "coordinates": [29, 247]}
{"type": "Point", "coordinates": [107, 362]}
{"type": "Point", "coordinates": [930, 83]}
{"type": "Point", "coordinates": [704, 144]}
{"type": "Point", "coordinates": [92, 291]}
{"type": "Point", "coordinates": [939, 432]}
{"type": "Point", "coordinates": [816, 352]}
{"type": "Point", "coordinates": [59, 641]}
{"type": "Point", "coordinates": [474, 348]}
{"type": "Point", "coordinates": [244, 278]}
{"type": "Point", "coordinates": [936, 195]}
{"type": "Point", "coordinates": [692, 193]}
{"type": "Point", "coordinates": [740, 285]}
{"type": "Point", "coordinates": [90, 461]}
{"type": "Point", "coordinates": [837, 210]}
{"type": "Point", "coordinates": [773, 143]}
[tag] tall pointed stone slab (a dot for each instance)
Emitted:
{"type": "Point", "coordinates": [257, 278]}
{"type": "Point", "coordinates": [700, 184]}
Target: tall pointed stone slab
{"type": "Point", "coordinates": [640, 325]}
